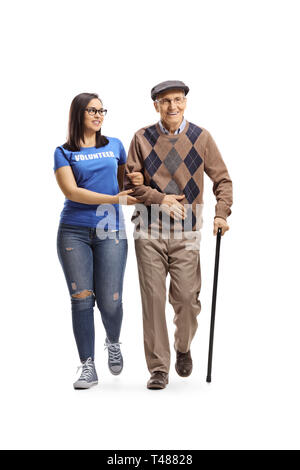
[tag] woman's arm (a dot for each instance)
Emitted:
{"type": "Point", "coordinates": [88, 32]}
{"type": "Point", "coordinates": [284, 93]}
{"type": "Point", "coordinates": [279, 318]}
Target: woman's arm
{"type": "Point", "coordinates": [121, 170]}
{"type": "Point", "coordinates": [67, 183]}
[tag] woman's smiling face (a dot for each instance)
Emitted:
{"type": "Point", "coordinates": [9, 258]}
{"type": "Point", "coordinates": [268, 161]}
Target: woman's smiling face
{"type": "Point", "coordinates": [93, 122]}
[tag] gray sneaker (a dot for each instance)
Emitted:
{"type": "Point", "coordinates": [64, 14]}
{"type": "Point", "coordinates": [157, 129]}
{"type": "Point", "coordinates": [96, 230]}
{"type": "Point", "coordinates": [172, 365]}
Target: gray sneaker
{"type": "Point", "coordinates": [88, 375]}
{"type": "Point", "coordinates": [115, 359]}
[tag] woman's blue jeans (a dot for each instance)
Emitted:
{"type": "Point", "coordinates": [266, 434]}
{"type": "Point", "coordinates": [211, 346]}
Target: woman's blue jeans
{"type": "Point", "coordinates": [93, 267]}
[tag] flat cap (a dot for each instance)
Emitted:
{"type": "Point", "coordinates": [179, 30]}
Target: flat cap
{"type": "Point", "coordinates": [168, 85]}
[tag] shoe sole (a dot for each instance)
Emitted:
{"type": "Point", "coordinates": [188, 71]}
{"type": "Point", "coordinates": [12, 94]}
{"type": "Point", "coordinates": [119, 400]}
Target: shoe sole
{"type": "Point", "coordinates": [115, 373]}
{"type": "Point", "coordinates": [157, 386]}
{"type": "Point", "coordinates": [84, 386]}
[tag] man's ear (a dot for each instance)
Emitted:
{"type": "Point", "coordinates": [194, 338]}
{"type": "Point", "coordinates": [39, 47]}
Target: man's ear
{"type": "Point", "coordinates": [156, 106]}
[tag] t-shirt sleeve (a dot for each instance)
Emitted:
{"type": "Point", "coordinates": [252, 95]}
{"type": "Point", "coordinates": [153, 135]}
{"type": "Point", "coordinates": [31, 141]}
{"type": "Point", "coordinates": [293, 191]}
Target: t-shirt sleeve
{"type": "Point", "coordinates": [60, 158]}
{"type": "Point", "coordinates": [123, 156]}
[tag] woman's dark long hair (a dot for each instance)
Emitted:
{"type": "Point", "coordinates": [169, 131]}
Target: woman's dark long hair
{"type": "Point", "coordinates": [76, 123]}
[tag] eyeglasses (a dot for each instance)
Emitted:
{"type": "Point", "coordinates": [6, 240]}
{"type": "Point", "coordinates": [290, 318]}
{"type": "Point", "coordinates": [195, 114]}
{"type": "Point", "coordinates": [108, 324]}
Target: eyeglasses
{"type": "Point", "coordinates": [166, 101]}
{"type": "Point", "coordinates": [94, 111]}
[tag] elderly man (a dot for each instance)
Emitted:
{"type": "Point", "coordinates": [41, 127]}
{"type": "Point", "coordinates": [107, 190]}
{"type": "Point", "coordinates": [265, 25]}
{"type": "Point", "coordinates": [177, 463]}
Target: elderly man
{"type": "Point", "coordinates": [173, 156]}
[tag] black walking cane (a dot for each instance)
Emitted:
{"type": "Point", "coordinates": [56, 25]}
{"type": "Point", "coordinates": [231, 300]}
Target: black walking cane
{"type": "Point", "coordinates": [213, 306]}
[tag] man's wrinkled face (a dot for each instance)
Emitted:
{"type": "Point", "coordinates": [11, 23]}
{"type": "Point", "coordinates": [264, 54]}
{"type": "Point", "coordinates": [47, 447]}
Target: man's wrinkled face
{"type": "Point", "coordinates": [171, 106]}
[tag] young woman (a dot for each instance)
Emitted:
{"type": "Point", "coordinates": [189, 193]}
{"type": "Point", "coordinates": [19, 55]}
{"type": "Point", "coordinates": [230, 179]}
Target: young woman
{"type": "Point", "coordinates": [91, 240]}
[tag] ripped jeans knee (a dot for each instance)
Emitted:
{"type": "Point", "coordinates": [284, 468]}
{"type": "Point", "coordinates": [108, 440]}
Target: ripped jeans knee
{"type": "Point", "coordinates": [83, 294]}
{"type": "Point", "coordinates": [82, 300]}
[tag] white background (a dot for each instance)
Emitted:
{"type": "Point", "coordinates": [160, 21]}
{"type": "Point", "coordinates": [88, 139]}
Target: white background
{"type": "Point", "coordinates": [241, 62]}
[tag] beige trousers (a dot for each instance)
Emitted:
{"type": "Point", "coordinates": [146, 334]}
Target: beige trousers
{"type": "Point", "coordinates": [155, 259]}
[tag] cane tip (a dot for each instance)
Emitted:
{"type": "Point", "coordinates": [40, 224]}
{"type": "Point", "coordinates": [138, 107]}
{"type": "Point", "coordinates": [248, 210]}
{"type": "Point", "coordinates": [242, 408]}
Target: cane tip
{"type": "Point", "coordinates": [208, 379]}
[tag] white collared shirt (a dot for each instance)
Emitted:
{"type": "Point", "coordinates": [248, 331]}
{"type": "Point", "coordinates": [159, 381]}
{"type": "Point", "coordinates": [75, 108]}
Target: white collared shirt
{"type": "Point", "coordinates": [180, 129]}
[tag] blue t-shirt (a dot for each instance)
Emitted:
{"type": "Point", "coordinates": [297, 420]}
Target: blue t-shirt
{"type": "Point", "coordinates": [94, 169]}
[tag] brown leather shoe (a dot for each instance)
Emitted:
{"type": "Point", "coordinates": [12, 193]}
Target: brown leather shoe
{"type": "Point", "coordinates": [158, 380]}
{"type": "Point", "coordinates": [184, 364]}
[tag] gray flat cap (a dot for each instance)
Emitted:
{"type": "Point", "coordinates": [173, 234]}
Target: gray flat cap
{"type": "Point", "coordinates": [168, 85]}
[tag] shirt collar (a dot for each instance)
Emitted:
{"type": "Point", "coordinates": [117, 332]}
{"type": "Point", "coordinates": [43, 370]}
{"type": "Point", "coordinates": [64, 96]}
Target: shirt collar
{"type": "Point", "coordinates": [178, 131]}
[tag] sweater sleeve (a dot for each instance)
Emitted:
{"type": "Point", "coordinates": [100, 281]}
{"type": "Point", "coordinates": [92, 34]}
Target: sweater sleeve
{"type": "Point", "coordinates": [215, 168]}
{"type": "Point", "coordinates": [145, 194]}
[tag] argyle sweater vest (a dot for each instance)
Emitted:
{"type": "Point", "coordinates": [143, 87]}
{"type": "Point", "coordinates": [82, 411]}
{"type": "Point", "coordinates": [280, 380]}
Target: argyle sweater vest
{"type": "Point", "coordinates": [175, 164]}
